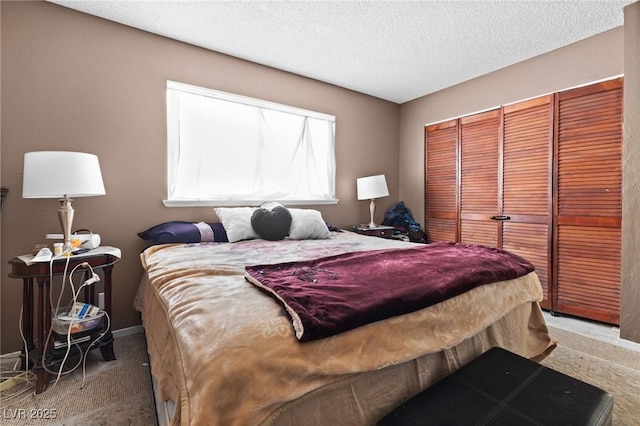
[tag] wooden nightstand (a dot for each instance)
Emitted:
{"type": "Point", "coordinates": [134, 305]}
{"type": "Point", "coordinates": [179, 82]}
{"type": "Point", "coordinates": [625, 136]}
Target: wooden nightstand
{"type": "Point", "coordinates": [378, 231]}
{"type": "Point", "coordinates": [41, 356]}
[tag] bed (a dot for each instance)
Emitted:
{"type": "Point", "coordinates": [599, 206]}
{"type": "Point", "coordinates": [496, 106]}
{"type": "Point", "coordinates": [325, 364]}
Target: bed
{"type": "Point", "coordinates": [224, 350]}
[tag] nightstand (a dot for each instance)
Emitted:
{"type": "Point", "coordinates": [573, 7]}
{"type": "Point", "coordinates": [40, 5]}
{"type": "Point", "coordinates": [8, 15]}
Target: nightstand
{"type": "Point", "coordinates": [378, 231]}
{"type": "Point", "coordinates": [100, 259]}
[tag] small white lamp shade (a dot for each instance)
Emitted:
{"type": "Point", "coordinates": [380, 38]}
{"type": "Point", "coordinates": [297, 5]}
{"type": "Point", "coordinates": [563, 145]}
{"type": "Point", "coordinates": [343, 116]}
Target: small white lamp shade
{"type": "Point", "coordinates": [54, 174]}
{"type": "Point", "coordinates": [371, 187]}
{"type": "Point", "coordinates": [62, 174]}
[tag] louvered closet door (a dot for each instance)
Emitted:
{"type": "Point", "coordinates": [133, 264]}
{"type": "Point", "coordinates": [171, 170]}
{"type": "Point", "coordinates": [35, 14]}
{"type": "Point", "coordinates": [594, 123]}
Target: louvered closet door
{"type": "Point", "coordinates": [526, 184]}
{"type": "Point", "coordinates": [588, 234]}
{"type": "Point", "coordinates": [479, 144]}
{"type": "Point", "coordinates": [441, 205]}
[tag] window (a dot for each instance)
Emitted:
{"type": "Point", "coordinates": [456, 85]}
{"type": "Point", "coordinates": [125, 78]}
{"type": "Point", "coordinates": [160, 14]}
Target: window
{"type": "Point", "coordinates": [226, 149]}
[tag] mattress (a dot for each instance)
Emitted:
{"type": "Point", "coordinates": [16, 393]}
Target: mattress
{"type": "Point", "coordinates": [226, 353]}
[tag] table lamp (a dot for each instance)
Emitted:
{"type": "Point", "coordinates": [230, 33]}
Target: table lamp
{"type": "Point", "coordinates": [372, 187]}
{"type": "Point", "coordinates": [62, 174]}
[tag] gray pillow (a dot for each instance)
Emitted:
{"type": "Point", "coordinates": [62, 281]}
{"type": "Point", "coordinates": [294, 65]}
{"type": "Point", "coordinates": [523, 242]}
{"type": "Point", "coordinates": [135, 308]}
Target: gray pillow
{"type": "Point", "coordinates": [237, 222]}
{"type": "Point", "coordinates": [307, 224]}
{"type": "Point", "coordinates": [271, 222]}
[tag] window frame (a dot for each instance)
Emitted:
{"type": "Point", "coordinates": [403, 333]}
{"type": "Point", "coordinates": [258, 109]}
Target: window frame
{"type": "Point", "coordinates": [255, 102]}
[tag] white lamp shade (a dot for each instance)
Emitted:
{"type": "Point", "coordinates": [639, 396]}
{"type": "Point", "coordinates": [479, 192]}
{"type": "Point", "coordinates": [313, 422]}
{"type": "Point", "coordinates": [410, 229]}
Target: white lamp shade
{"type": "Point", "coordinates": [371, 187]}
{"type": "Point", "coordinates": [54, 174]}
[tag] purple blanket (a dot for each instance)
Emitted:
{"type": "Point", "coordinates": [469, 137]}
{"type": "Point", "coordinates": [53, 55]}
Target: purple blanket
{"type": "Point", "coordinates": [329, 295]}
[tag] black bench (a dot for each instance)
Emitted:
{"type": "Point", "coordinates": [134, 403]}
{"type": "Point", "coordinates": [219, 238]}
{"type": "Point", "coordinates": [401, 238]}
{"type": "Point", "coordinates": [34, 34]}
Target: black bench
{"type": "Point", "coordinates": [502, 388]}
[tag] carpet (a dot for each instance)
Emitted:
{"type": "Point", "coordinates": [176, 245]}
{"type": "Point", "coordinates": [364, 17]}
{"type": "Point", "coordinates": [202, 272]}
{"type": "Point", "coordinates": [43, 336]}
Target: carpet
{"type": "Point", "coordinates": [114, 393]}
{"type": "Point", "coordinates": [120, 392]}
{"type": "Point", "coordinates": [611, 368]}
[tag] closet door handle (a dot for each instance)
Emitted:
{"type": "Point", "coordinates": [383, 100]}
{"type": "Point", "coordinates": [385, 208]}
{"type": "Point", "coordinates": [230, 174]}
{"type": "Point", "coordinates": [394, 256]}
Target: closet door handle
{"type": "Point", "coordinates": [500, 218]}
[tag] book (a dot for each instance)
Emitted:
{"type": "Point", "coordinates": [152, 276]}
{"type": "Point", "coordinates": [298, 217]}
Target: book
{"type": "Point", "coordinates": [57, 344]}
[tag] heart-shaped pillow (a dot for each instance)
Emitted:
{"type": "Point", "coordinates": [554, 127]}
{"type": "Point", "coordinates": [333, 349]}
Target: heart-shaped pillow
{"type": "Point", "coordinates": [271, 222]}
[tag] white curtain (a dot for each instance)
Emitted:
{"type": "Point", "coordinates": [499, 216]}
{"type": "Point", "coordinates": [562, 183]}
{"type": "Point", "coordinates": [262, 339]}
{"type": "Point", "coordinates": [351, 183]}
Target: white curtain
{"type": "Point", "coordinates": [219, 149]}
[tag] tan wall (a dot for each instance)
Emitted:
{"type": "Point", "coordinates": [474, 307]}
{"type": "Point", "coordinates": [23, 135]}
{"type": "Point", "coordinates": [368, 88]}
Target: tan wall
{"type": "Point", "coordinates": [630, 303]}
{"type": "Point", "coordinates": [71, 81]}
{"type": "Point", "coordinates": [592, 59]}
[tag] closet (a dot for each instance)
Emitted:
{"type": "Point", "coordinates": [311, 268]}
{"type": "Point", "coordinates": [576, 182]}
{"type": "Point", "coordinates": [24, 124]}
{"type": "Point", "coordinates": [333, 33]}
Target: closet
{"type": "Point", "coordinates": [540, 178]}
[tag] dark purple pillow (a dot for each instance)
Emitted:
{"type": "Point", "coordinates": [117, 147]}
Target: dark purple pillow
{"type": "Point", "coordinates": [185, 232]}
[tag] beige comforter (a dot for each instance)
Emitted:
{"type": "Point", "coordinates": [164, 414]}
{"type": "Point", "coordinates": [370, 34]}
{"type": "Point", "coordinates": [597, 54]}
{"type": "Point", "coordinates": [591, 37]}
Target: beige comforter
{"type": "Point", "coordinates": [226, 353]}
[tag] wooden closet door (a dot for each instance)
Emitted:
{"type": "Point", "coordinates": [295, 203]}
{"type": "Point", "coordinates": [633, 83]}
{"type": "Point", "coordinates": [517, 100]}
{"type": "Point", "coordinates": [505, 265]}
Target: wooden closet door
{"type": "Point", "coordinates": [441, 198]}
{"type": "Point", "coordinates": [526, 200]}
{"type": "Point", "coordinates": [479, 156]}
{"type": "Point", "coordinates": [588, 207]}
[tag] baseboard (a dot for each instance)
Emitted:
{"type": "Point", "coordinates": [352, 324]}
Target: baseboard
{"type": "Point", "coordinates": [592, 329]}
{"type": "Point", "coordinates": [9, 360]}
{"type": "Point", "coordinates": [127, 331]}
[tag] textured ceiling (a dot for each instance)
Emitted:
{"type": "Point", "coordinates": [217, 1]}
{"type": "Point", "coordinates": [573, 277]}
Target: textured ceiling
{"type": "Point", "coordinates": [394, 50]}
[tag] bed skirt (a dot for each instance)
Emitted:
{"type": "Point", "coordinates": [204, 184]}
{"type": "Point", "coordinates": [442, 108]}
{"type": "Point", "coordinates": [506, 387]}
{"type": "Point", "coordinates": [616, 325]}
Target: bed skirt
{"type": "Point", "coordinates": [364, 398]}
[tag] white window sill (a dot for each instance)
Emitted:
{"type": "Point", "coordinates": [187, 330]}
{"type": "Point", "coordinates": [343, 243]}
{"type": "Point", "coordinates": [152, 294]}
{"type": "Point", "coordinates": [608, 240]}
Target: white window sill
{"type": "Point", "coordinates": [242, 203]}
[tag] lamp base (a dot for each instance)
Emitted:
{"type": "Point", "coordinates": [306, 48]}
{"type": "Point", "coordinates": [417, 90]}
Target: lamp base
{"type": "Point", "coordinates": [372, 210]}
{"type": "Point", "coordinates": [65, 216]}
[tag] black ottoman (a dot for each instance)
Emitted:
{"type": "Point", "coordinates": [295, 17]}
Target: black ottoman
{"type": "Point", "coordinates": [502, 388]}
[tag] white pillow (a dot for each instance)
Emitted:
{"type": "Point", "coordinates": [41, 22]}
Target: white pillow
{"type": "Point", "coordinates": [307, 224]}
{"type": "Point", "coordinates": [237, 222]}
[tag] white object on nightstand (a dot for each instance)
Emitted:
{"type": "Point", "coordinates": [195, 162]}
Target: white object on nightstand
{"type": "Point", "coordinates": [44, 255]}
